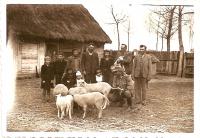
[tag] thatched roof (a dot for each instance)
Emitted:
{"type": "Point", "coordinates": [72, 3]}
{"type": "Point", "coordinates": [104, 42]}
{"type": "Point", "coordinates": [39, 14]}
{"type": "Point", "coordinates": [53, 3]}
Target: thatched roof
{"type": "Point", "coordinates": [68, 22]}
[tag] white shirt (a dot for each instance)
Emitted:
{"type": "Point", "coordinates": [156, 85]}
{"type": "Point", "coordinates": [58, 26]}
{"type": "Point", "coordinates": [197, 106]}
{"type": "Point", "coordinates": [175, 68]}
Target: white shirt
{"type": "Point", "coordinates": [99, 78]}
{"type": "Point", "coordinates": [79, 82]}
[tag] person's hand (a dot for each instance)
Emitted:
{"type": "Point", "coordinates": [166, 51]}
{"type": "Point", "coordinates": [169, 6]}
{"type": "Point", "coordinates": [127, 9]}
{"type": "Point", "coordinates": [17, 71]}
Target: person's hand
{"type": "Point", "coordinates": [121, 58]}
{"type": "Point", "coordinates": [63, 75]}
{"type": "Point", "coordinates": [132, 78]}
{"type": "Point", "coordinates": [148, 78]}
{"type": "Point", "coordinates": [84, 72]}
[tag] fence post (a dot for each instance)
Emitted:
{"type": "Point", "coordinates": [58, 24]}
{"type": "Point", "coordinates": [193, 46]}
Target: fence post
{"type": "Point", "coordinates": [184, 64]}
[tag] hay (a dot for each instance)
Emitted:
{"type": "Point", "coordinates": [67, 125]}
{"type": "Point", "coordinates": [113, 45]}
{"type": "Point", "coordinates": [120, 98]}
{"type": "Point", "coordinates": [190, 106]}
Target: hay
{"type": "Point", "coordinates": [60, 89]}
{"type": "Point", "coordinates": [67, 22]}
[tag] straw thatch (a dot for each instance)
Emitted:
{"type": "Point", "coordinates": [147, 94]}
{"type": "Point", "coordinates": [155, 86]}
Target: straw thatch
{"type": "Point", "coordinates": [65, 22]}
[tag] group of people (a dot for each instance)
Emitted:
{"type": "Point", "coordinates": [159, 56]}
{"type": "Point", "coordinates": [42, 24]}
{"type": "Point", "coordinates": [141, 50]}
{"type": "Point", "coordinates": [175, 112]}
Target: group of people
{"type": "Point", "coordinates": [89, 68]}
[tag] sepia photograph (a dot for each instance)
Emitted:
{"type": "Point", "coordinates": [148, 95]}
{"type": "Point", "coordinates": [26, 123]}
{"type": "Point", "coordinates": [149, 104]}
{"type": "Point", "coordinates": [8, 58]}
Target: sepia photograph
{"type": "Point", "coordinates": [98, 66]}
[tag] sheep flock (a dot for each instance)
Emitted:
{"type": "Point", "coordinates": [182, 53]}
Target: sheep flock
{"type": "Point", "coordinates": [94, 94]}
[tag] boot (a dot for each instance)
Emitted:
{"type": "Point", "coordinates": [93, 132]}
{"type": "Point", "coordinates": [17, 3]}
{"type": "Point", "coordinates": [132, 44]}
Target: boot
{"type": "Point", "coordinates": [44, 96]}
{"type": "Point", "coordinates": [48, 96]}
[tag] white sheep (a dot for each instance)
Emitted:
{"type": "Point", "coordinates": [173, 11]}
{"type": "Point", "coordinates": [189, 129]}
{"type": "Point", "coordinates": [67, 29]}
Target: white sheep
{"type": "Point", "coordinates": [77, 90]}
{"type": "Point", "coordinates": [101, 87]}
{"type": "Point", "coordinates": [60, 89]}
{"type": "Point", "coordinates": [64, 104]}
{"type": "Point", "coordinates": [94, 98]}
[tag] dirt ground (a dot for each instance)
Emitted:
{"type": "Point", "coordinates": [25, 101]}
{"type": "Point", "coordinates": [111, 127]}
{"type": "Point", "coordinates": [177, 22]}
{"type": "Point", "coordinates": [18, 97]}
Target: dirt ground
{"type": "Point", "coordinates": [169, 109]}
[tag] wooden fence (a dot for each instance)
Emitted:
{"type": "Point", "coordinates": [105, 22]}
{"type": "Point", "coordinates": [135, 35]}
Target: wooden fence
{"type": "Point", "coordinates": [168, 64]}
{"type": "Point", "coordinates": [169, 61]}
{"type": "Point", "coordinates": [188, 68]}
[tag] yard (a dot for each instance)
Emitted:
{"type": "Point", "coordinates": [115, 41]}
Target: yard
{"type": "Point", "coordinates": [169, 109]}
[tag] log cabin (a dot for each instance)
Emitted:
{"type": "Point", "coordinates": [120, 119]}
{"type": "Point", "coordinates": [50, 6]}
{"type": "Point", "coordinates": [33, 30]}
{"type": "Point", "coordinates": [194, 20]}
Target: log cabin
{"type": "Point", "coordinates": [34, 31]}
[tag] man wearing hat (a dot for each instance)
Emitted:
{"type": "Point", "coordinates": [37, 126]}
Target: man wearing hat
{"type": "Point", "coordinates": [90, 63]}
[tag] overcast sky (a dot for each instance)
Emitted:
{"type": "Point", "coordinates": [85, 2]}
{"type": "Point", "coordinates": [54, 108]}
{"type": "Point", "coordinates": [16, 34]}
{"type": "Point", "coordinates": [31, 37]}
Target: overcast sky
{"type": "Point", "coordinates": [138, 15]}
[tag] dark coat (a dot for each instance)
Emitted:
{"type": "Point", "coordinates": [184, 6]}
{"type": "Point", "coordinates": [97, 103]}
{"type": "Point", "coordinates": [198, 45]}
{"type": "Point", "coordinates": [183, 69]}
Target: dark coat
{"type": "Point", "coordinates": [105, 67]}
{"type": "Point", "coordinates": [59, 66]}
{"type": "Point", "coordinates": [127, 61]}
{"type": "Point", "coordinates": [90, 63]}
{"type": "Point", "coordinates": [69, 80]}
{"type": "Point", "coordinates": [47, 74]}
{"type": "Point", "coordinates": [106, 64]}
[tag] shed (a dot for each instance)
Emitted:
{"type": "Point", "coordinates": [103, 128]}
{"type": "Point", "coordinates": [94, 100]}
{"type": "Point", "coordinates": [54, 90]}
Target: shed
{"type": "Point", "coordinates": [36, 30]}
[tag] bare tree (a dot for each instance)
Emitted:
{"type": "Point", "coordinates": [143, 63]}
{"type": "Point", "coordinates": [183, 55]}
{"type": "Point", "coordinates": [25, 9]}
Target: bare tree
{"type": "Point", "coordinates": [182, 22]}
{"type": "Point", "coordinates": [176, 19]}
{"type": "Point", "coordinates": [189, 16]}
{"type": "Point", "coordinates": [118, 19]}
{"type": "Point", "coordinates": [181, 48]}
{"type": "Point", "coordinates": [162, 22]}
{"type": "Point", "coordinates": [170, 23]}
{"type": "Point", "coordinates": [128, 30]}
{"type": "Point", "coordinates": [157, 33]}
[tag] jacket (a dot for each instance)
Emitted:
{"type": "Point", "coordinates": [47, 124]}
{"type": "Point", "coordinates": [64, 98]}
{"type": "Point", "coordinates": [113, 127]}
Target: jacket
{"type": "Point", "coordinates": [141, 64]}
{"type": "Point", "coordinates": [90, 63]}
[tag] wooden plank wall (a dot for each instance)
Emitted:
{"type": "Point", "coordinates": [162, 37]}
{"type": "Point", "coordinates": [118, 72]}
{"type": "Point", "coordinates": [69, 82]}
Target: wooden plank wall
{"type": "Point", "coordinates": [29, 55]}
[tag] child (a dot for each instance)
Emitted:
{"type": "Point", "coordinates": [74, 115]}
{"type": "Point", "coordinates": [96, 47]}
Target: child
{"type": "Point", "coordinates": [47, 77]}
{"type": "Point", "coordinates": [69, 79]}
{"type": "Point", "coordinates": [79, 79]}
{"type": "Point", "coordinates": [99, 76]}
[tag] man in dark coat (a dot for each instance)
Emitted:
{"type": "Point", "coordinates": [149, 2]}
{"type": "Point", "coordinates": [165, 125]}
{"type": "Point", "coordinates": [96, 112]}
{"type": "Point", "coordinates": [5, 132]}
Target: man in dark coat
{"type": "Point", "coordinates": [141, 72]}
{"type": "Point", "coordinates": [90, 63]}
{"type": "Point", "coordinates": [59, 67]}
